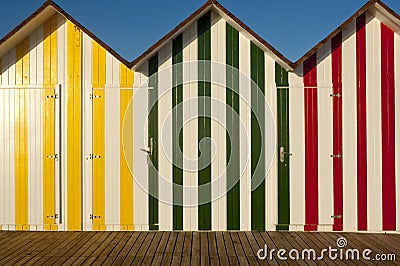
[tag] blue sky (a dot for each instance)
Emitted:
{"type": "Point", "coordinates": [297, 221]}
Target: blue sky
{"type": "Point", "coordinates": [130, 26]}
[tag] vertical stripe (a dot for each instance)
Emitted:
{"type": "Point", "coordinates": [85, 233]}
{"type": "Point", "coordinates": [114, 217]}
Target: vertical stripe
{"type": "Point", "coordinates": [153, 142]}
{"type": "Point", "coordinates": [140, 186]}
{"type": "Point", "coordinates": [397, 103]}
{"type": "Point", "coordinates": [49, 79]}
{"type": "Point", "coordinates": [165, 138]}
{"type": "Point", "coordinates": [282, 82]}
{"type": "Point", "coordinates": [244, 105]}
{"type": "Point", "coordinates": [113, 141]}
{"type": "Point", "coordinates": [218, 131]}
{"type": "Point", "coordinates": [325, 138]}
{"type": "Point", "coordinates": [257, 131]}
{"type": "Point", "coordinates": [21, 136]}
{"type": "Point", "coordinates": [388, 130]}
{"type": "Point", "coordinates": [126, 149]}
{"type": "Point", "coordinates": [177, 132]}
{"type": "Point", "coordinates": [98, 102]}
{"type": "Point", "coordinates": [337, 132]}
{"type": "Point", "coordinates": [190, 129]}
{"type": "Point", "coordinates": [74, 63]}
{"type": "Point", "coordinates": [311, 143]}
{"type": "Point", "coordinates": [361, 124]}
{"type": "Point", "coordinates": [349, 110]}
{"type": "Point", "coordinates": [374, 127]}
{"type": "Point", "coordinates": [2, 151]}
{"type": "Point", "coordinates": [204, 120]}
{"type": "Point", "coordinates": [87, 77]}
{"type": "Point", "coordinates": [232, 124]}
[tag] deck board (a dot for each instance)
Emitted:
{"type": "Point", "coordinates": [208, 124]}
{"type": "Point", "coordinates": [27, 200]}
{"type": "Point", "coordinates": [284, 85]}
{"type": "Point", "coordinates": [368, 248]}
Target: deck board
{"type": "Point", "coordinates": [176, 248]}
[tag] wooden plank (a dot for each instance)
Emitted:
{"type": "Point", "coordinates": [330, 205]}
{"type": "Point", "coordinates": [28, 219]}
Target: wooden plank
{"type": "Point", "coordinates": [79, 254]}
{"type": "Point", "coordinates": [241, 255]}
{"type": "Point", "coordinates": [223, 256]}
{"type": "Point", "coordinates": [170, 246]}
{"type": "Point", "coordinates": [75, 246]}
{"type": "Point", "coordinates": [230, 250]}
{"type": "Point", "coordinates": [280, 243]}
{"type": "Point", "coordinates": [118, 248]}
{"type": "Point", "coordinates": [20, 241]}
{"type": "Point", "coordinates": [195, 259]}
{"type": "Point", "coordinates": [270, 244]}
{"type": "Point", "coordinates": [109, 247]}
{"type": "Point", "coordinates": [178, 250]}
{"type": "Point", "coordinates": [127, 247]}
{"type": "Point", "coordinates": [139, 253]}
{"type": "Point", "coordinates": [310, 243]}
{"type": "Point", "coordinates": [151, 251]}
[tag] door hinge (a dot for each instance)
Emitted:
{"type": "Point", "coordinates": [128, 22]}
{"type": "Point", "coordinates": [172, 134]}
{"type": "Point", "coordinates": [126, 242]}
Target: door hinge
{"type": "Point", "coordinates": [93, 156]}
{"type": "Point", "coordinates": [336, 95]}
{"type": "Point", "coordinates": [339, 216]}
{"type": "Point", "coordinates": [55, 96]}
{"type": "Point", "coordinates": [94, 96]}
{"type": "Point", "coordinates": [54, 156]}
{"type": "Point", "coordinates": [91, 216]}
{"type": "Point", "coordinates": [336, 156]}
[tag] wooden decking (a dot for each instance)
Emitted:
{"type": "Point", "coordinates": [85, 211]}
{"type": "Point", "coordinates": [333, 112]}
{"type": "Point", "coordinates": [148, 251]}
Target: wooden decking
{"type": "Point", "coordinates": [198, 248]}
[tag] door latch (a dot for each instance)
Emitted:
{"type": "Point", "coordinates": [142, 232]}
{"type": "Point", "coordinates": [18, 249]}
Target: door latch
{"type": "Point", "coordinates": [55, 216]}
{"type": "Point", "coordinates": [148, 150]}
{"type": "Point", "coordinates": [54, 156]}
{"type": "Point", "coordinates": [339, 216]}
{"type": "Point", "coordinates": [282, 154]}
{"type": "Point", "coordinates": [91, 216]}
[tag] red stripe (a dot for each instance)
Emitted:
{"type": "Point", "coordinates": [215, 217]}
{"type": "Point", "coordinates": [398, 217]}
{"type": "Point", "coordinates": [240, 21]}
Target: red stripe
{"type": "Point", "coordinates": [311, 143]}
{"type": "Point", "coordinates": [388, 130]}
{"type": "Point", "coordinates": [361, 123]}
{"type": "Point", "coordinates": [337, 132]}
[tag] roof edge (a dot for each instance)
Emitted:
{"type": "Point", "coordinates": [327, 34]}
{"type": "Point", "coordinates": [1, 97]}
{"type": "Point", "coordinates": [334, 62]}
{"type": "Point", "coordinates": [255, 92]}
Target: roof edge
{"type": "Point", "coordinates": [313, 50]}
{"type": "Point", "coordinates": [61, 11]}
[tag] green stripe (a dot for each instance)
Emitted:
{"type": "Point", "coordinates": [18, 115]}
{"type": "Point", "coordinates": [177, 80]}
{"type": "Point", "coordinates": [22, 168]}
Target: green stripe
{"type": "Point", "coordinates": [204, 123]}
{"type": "Point", "coordinates": [177, 122]}
{"type": "Point", "coordinates": [257, 105]}
{"type": "Point", "coordinates": [281, 80]}
{"type": "Point", "coordinates": [232, 124]}
{"type": "Point", "coordinates": [153, 136]}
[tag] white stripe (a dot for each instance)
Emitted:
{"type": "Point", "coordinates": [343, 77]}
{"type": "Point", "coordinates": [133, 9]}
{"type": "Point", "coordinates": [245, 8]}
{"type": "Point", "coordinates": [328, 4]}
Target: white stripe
{"type": "Point", "coordinates": [39, 168]}
{"type": "Point", "coordinates": [34, 159]}
{"type": "Point", "coordinates": [218, 132]}
{"type": "Point", "coordinates": [61, 42]}
{"type": "Point", "coordinates": [397, 116]}
{"type": "Point", "coordinates": [325, 138]}
{"type": "Point", "coordinates": [349, 128]}
{"type": "Point", "coordinates": [244, 111]}
{"type": "Point", "coordinates": [374, 126]}
{"type": "Point", "coordinates": [112, 145]}
{"type": "Point", "coordinates": [87, 132]}
{"type": "Point", "coordinates": [3, 153]}
{"type": "Point", "coordinates": [271, 182]}
{"type": "Point", "coordinates": [165, 187]}
{"type": "Point", "coordinates": [11, 143]}
{"type": "Point", "coordinates": [190, 129]}
{"type": "Point", "coordinates": [140, 169]}
{"type": "Point", "coordinates": [297, 160]}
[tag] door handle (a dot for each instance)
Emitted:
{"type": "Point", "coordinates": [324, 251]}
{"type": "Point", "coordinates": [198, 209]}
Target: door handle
{"type": "Point", "coordinates": [148, 150]}
{"type": "Point", "coordinates": [282, 154]}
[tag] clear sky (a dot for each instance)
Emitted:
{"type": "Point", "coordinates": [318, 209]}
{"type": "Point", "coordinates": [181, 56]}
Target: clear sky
{"type": "Point", "coordinates": [131, 26]}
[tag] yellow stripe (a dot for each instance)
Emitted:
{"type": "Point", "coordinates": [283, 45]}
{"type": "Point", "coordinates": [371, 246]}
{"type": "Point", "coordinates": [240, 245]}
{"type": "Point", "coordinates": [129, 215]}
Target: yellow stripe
{"type": "Point", "coordinates": [74, 64]}
{"type": "Point", "coordinates": [126, 149]}
{"type": "Point", "coordinates": [50, 77]}
{"type": "Point", "coordinates": [99, 80]}
{"type": "Point", "coordinates": [21, 136]}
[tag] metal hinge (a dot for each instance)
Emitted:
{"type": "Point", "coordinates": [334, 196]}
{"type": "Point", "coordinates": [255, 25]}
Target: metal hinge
{"type": "Point", "coordinates": [55, 96]}
{"type": "Point", "coordinates": [91, 216]}
{"type": "Point", "coordinates": [336, 95]}
{"type": "Point", "coordinates": [336, 156]}
{"type": "Point", "coordinates": [94, 96]}
{"type": "Point", "coordinates": [55, 216]}
{"type": "Point", "coordinates": [93, 156]}
{"type": "Point", "coordinates": [339, 216]}
{"type": "Point", "coordinates": [54, 156]}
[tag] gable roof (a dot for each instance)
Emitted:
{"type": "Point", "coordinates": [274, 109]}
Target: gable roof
{"type": "Point", "coordinates": [375, 7]}
{"type": "Point", "coordinates": [37, 18]}
{"type": "Point", "coordinates": [214, 5]}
